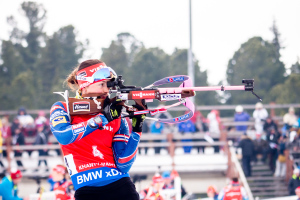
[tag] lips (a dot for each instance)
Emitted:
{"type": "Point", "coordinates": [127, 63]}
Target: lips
{"type": "Point", "coordinates": [103, 96]}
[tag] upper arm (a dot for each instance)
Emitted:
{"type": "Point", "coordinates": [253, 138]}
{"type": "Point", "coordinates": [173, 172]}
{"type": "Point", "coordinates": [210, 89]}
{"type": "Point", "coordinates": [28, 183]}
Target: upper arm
{"type": "Point", "coordinates": [63, 130]}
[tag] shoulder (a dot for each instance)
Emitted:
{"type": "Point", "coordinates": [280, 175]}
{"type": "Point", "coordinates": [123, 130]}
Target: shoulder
{"type": "Point", "coordinates": [60, 105]}
{"type": "Point", "coordinates": [58, 113]}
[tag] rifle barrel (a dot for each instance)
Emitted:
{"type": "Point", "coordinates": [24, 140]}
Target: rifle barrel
{"type": "Point", "coordinates": [172, 90]}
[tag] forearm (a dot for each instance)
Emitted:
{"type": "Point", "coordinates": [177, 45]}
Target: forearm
{"type": "Point", "coordinates": [125, 147]}
{"type": "Point", "coordinates": [125, 159]}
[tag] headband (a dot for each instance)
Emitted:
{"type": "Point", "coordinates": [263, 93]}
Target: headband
{"type": "Point", "coordinates": [84, 76]}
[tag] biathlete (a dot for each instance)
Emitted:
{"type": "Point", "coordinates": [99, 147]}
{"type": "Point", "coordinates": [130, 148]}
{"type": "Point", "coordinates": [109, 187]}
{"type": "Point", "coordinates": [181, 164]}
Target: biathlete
{"type": "Point", "coordinates": [98, 149]}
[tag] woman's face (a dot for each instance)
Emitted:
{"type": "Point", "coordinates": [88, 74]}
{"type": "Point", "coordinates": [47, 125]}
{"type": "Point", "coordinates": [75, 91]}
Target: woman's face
{"type": "Point", "coordinates": [99, 88]}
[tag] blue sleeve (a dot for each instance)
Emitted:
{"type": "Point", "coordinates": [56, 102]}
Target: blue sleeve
{"type": "Point", "coordinates": [221, 195]}
{"type": "Point", "coordinates": [6, 188]}
{"type": "Point", "coordinates": [235, 118]}
{"type": "Point", "coordinates": [64, 131]}
{"type": "Point", "coordinates": [125, 147]}
{"type": "Point", "coordinates": [248, 117]}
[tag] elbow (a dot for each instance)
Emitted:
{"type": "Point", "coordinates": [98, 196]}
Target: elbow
{"type": "Point", "coordinates": [62, 142]}
{"type": "Point", "coordinates": [124, 169]}
{"type": "Point", "coordinates": [63, 139]}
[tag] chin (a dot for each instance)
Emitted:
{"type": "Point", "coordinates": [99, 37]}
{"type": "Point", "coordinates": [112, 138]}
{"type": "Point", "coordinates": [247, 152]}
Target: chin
{"type": "Point", "coordinates": [103, 96]}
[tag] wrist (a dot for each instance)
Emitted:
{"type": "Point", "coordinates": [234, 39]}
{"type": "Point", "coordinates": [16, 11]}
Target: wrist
{"type": "Point", "coordinates": [95, 122]}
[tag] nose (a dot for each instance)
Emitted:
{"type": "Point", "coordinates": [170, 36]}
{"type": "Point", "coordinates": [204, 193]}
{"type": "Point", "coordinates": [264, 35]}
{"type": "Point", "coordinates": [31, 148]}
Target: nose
{"type": "Point", "coordinates": [105, 89]}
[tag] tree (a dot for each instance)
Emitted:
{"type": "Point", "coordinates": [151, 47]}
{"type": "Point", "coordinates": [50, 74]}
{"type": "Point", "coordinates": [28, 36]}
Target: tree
{"type": "Point", "coordinates": [295, 69]}
{"type": "Point", "coordinates": [148, 66]}
{"type": "Point", "coordinates": [31, 73]}
{"type": "Point", "coordinates": [59, 57]}
{"type": "Point", "coordinates": [286, 92]}
{"type": "Point", "coordinates": [116, 57]}
{"type": "Point", "coordinates": [121, 53]}
{"type": "Point", "coordinates": [10, 68]}
{"type": "Point", "coordinates": [276, 40]}
{"type": "Point", "coordinates": [36, 16]}
{"type": "Point", "coordinates": [256, 59]}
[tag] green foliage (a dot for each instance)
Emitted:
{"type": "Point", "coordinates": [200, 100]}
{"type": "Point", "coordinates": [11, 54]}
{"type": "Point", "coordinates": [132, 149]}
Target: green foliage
{"type": "Point", "coordinates": [255, 59]}
{"type": "Point", "coordinates": [295, 69]}
{"type": "Point", "coordinates": [34, 65]}
{"type": "Point", "coordinates": [30, 73]}
{"type": "Point", "coordinates": [286, 92]}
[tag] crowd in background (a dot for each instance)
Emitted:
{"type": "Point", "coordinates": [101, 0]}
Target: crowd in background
{"type": "Point", "coordinates": [266, 142]}
{"type": "Point", "coordinates": [269, 142]}
{"type": "Point", "coordinates": [24, 126]}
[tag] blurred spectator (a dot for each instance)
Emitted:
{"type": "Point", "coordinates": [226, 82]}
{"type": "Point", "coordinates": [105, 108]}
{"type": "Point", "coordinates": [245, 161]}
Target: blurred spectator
{"type": "Point", "coordinates": [51, 182]}
{"type": "Point", "coordinates": [200, 122]}
{"type": "Point", "coordinates": [1, 142]}
{"type": "Point", "coordinates": [297, 191]}
{"type": "Point", "coordinates": [247, 146]}
{"type": "Point", "coordinates": [294, 182]}
{"type": "Point", "coordinates": [214, 122]}
{"type": "Point", "coordinates": [241, 116]}
{"type": "Point", "coordinates": [157, 128]}
{"type": "Point", "coordinates": [5, 129]}
{"type": "Point", "coordinates": [233, 191]}
{"type": "Point", "coordinates": [168, 181]}
{"type": "Point", "coordinates": [289, 119]}
{"type": "Point", "coordinates": [146, 128]}
{"type": "Point", "coordinates": [294, 133]}
{"type": "Point", "coordinates": [281, 160]}
{"type": "Point", "coordinates": [260, 114]}
{"type": "Point", "coordinates": [9, 186]}
{"type": "Point", "coordinates": [18, 139]}
{"type": "Point", "coordinates": [41, 139]}
{"type": "Point", "coordinates": [270, 124]}
{"type": "Point", "coordinates": [212, 193]}
{"type": "Point", "coordinates": [213, 119]}
{"type": "Point", "coordinates": [184, 128]}
{"type": "Point", "coordinates": [261, 147]}
{"type": "Point", "coordinates": [174, 174]}
{"type": "Point", "coordinates": [154, 191]}
{"type": "Point", "coordinates": [15, 125]}
{"type": "Point", "coordinates": [41, 119]}
{"type": "Point", "coordinates": [25, 120]}
{"type": "Point", "coordinates": [63, 188]}
{"type": "Point", "coordinates": [165, 115]}
{"type": "Point", "coordinates": [6, 132]}
{"type": "Point", "coordinates": [272, 138]}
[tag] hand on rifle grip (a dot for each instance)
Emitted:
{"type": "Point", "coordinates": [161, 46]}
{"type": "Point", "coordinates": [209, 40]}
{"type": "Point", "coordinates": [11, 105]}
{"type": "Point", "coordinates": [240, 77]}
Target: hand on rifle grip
{"type": "Point", "coordinates": [138, 120]}
{"type": "Point", "coordinates": [112, 110]}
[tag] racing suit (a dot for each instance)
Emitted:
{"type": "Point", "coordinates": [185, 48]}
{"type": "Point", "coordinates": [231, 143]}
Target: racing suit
{"type": "Point", "coordinates": [93, 157]}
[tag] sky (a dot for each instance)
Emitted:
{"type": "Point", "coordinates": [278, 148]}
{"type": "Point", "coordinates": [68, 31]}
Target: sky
{"type": "Point", "coordinates": [219, 27]}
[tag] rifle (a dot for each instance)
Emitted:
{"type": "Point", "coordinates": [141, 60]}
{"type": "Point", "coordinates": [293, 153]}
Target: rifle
{"type": "Point", "coordinates": [92, 105]}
